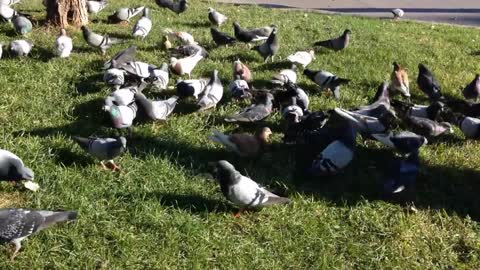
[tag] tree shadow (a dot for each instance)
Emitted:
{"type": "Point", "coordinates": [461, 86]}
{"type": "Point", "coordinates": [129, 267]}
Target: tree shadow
{"type": "Point", "coordinates": [42, 54]}
{"type": "Point", "coordinates": [279, 65]}
{"type": "Point", "coordinates": [89, 84]}
{"type": "Point", "coordinates": [196, 24]}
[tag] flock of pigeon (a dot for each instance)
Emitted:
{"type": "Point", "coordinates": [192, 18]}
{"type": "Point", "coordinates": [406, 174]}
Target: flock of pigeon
{"type": "Point", "coordinates": [331, 136]}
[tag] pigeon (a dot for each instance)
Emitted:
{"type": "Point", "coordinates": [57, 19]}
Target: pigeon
{"type": "Point", "coordinates": [405, 142]}
{"type": "Point", "coordinates": [429, 128]}
{"type": "Point", "coordinates": [13, 169]}
{"type": "Point", "coordinates": [311, 124]}
{"type": "Point", "coordinates": [432, 111]}
{"type": "Point", "coordinates": [336, 44]}
{"type": "Point", "coordinates": [397, 13]}
{"type": "Point", "coordinates": [122, 116]}
{"type": "Point", "coordinates": [221, 38]}
{"type": "Point", "coordinates": [93, 7]}
{"type": "Point", "coordinates": [256, 112]}
{"type": "Point", "coordinates": [1, 50]}
{"type": "Point", "coordinates": [124, 96]}
{"type": "Point", "coordinates": [189, 88]}
{"type": "Point", "coordinates": [177, 7]}
{"type": "Point", "coordinates": [301, 98]}
{"type": "Point", "coordinates": [428, 84]}
{"type": "Point", "coordinates": [7, 13]}
{"type": "Point", "coordinates": [63, 44]}
{"type": "Point", "coordinates": [464, 107]}
{"type": "Point", "coordinates": [286, 75]}
{"type": "Point", "coordinates": [115, 77]}
{"type": "Point", "coordinates": [243, 191]}
{"type": "Point", "coordinates": [241, 71]}
{"type": "Point", "coordinates": [339, 152]}
{"type": "Point", "coordinates": [188, 50]}
{"type": "Point", "coordinates": [185, 65]}
{"type": "Point", "coordinates": [400, 82]}
{"type": "Point", "coordinates": [166, 42]}
{"type": "Point", "coordinates": [124, 14]}
{"type": "Point", "coordinates": [244, 145]}
{"type": "Point", "coordinates": [368, 124]}
{"type": "Point", "coordinates": [302, 58]}
{"type": "Point", "coordinates": [470, 126]}
{"type": "Point", "coordinates": [159, 77]}
{"type": "Point", "coordinates": [326, 80]}
{"type": "Point", "coordinates": [22, 25]}
{"type": "Point", "coordinates": [143, 26]}
{"type": "Point", "coordinates": [472, 91]}
{"type": "Point", "coordinates": [212, 94]}
{"type": "Point", "coordinates": [184, 37]}
{"type": "Point", "coordinates": [292, 113]}
{"type": "Point", "coordinates": [21, 47]}
{"type": "Point", "coordinates": [216, 17]}
{"type": "Point", "coordinates": [253, 35]}
{"type": "Point", "coordinates": [381, 104]}
{"type": "Point", "coordinates": [122, 57]}
{"type": "Point", "coordinates": [270, 47]}
{"type": "Point", "coordinates": [137, 69]}
{"type": "Point", "coordinates": [18, 224]}
{"type": "Point", "coordinates": [98, 41]}
{"type": "Point", "coordinates": [240, 89]}
{"type": "Point", "coordinates": [402, 174]}
{"type": "Point", "coordinates": [9, 2]}
{"type": "Point", "coordinates": [156, 110]}
{"type": "Point", "coordinates": [104, 149]}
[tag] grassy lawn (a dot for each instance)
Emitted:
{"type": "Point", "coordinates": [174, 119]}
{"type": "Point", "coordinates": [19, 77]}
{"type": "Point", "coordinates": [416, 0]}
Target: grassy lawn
{"type": "Point", "coordinates": [161, 212]}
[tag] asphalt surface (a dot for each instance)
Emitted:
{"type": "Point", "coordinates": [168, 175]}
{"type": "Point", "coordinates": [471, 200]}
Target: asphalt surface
{"type": "Point", "coordinates": [462, 12]}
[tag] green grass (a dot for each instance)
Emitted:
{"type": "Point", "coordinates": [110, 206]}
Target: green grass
{"type": "Point", "coordinates": [161, 212]}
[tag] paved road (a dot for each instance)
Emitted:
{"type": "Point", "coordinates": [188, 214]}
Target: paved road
{"type": "Point", "coordinates": [464, 12]}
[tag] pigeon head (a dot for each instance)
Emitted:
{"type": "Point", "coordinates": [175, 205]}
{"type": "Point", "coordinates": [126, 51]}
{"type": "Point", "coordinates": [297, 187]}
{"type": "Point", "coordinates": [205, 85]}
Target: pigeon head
{"type": "Point", "coordinates": [236, 27]}
{"type": "Point", "coordinates": [422, 68]}
{"type": "Point", "coordinates": [211, 9]}
{"type": "Point", "coordinates": [225, 172]}
{"type": "Point", "coordinates": [63, 32]}
{"type": "Point", "coordinates": [347, 32]}
{"type": "Point", "coordinates": [26, 173]}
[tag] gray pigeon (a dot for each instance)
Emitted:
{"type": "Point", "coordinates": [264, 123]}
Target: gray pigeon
{"type": "Point", "coordinates": [216, 17]}
{"type": "Point", "coordinates": [221, 38]}
{"type": "Point", "coordinates": [405, 142]}
{"type": "Point", "coordinates": [252, 35]}
{"type": "Point", "coordinates": [18, 224]}
{"type": "Point", "coordinates": [381, 104]}
{"type": "Point", "coordinates": [122, 57]}
{"type": "Point", "coordinates": [472, 91]}
{"type": "Point", "coordinates": [98, 41]}
{"type": "Point", "coordinates": [336, 44]}
{"type": "Point", "coordinates": [212, 94]}
{"type": "Point", "coordinates": [143, 26]}
{"type": "Point", "coordinates": [240, 89]}
{"type": "Point", "coordinates": [470, 126]}
{"type": "Point", "coordinates": [254, 113]}
{"type": "Point", "coordinates": [159, 77]}
{"type": "Point", "coordinates": [124, 96]}
{"type": "Point", "coordinates": [188, 88]}
{"type": "Point", "coordinates": [428, 84]}
{"type": "Point", "coordinates": [105, 149]}
{"type": "Point", "coordinates": [115, 77]}
{"type": "Point", "coordinates": [326, 80]}
{"type": "Point", "coordinates": [156, 110]}
{"type": "Point", "coordinates": [124, 14]}
{"type": "Point", "coordinates": [243, 191]}
{"type": "Point", "coordinates": [368, 124]}
{"type": "Point", "coordinates": [21, 47]}
{"type": "Point", "coordinates": [432, 111]}
{"type": "Point", "coordinates": [188, 50]}
{"type": "Point", "coordinates": [93, 7]}
{"type": "Point", "coordinates": [22, 25]}
{"type": "Point", "coordinates": [270, 47]}
{"type": "Point", "coordinates": [13, 169]}
{"type": "Point", "coordinates": [175, 6]}
{"type": "Point", "coordinates": [427, 127]}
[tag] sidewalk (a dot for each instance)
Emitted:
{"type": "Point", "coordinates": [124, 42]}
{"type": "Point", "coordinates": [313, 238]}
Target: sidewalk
{"type": "Point", "coordinates": [464, 12]}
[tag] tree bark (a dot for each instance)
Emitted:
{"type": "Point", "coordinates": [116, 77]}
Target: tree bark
{"type": "Point", "coordinates": [67, 12]}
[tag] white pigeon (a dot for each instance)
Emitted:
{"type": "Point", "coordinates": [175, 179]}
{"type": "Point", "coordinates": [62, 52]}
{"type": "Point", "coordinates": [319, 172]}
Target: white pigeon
{"type": "Point", "coordinates": [286, 75]}
{"type": "Point", "coordinates": [303, 58]}
{"type": "Point", "coordinates": [63, 44]}
{"type": "Point", "coordinates": [184, 37]}
{"type": "Point", "coordinates": [185, 65]}
{"type": "Point", "coordinates": [9, 2]}
{"type": "Point", "coordinates": [123, 96]}
{"type": "Point", "coordinates": [21, 47]}
{"type": "Point", "coordinates": [213, 93]}
{"type": "Point", "coordinates": [216, 17]}
{"type": "Point", "coordinates": [7, 12]}
{"type": "Point", "coordinates": [397, 13]}
{"type": "Point", "coordinates": [94, 7]}
{"type": "Point", "coordinates": [193, 88]}
{"type": "Point", "coordinates": [13, 169]}
{"type": "Point", "coordinates": [143, 26]}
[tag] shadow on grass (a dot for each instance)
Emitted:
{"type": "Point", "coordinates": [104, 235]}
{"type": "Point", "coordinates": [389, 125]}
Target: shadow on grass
{"type": "Point", "coordinates": [196, 24]}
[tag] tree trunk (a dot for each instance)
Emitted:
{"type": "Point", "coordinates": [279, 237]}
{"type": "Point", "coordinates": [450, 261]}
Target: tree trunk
{"type": "Point", "coordinates": [64, 12]}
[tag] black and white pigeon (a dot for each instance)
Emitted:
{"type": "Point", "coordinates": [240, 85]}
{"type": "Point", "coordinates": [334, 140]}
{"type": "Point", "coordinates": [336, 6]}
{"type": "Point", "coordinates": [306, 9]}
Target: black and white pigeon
{"type": "Point", "coordinates": [252, 35]}
{"type": "Point", "coordinates": [7, 13]}
{"type": "Point", "coordinates": [122, 115]}
{"type": "Point", "coordinates": [158, 109]}
{"type": "Point", "coordinates": [63, 44]}
{"type": "Point", "coordinates": [18, 224]}
{"type": "Point", "coordinates": [240, 89]}
{"type": "Point", "coordinates": [143, 26]}
{"type": "Point", "coordinates": [270, 47]}
{"type": "Point", "coordinates": [122, 57]}
{"type": "Point", "coordinates": [188, 88]}
{"type": "Point", "coordinates": [93, 7]}
{"type": "Point", "coordinates": [368, 125]}
{"type": "Point", "coordinates": [13, 169]}
{"type": "Point", "coordinates": [114, 77]}
{"type": "Point", "coordinates": [221, 38]}
{"type": "Point", "coordinates": [212, 94]}
{"type": "Point", "coordinates": [336, 44]}
{"type": "Point", "coordinates": [427, 127]}
{"type": "Point", "coordinates": [404, 142]}
{"type": "Point", "coordinates": [432, 111]}
{"type": "Point", "coordinates": [472, 91]}
{"type": "Point", "coordinates": [9, 2]}
{"type": "Point", "coordinates": [256, 112]}
{"type": "Point", "coordinates": [216, 17]}
{"type": "Point", "coordinates": [326, 80]}
{"type": "Point", "coordinates": [428, 84]}
{"type": "Point", "coordinates": [243, 191]}
{"type": "Point", "coordinates": [21, 47]}
{"type": "Point", "coordinates": [301, 97]}
{"type": "Point", "coordinates": [402, 173]}
{"type": "Point", "coordinates": [124, 14]}
{"type": "Point", "coordinates": [177, 7]}
{"type": "Point", "coordinates": [292, 113]}
{"type": "Point", "coordinates": [104, 149]}
{"type": "Point", "coordinates": [98, 41]}
{"type": "Point", "coordinates": [469, 126]}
